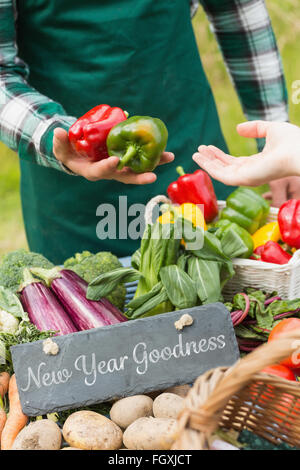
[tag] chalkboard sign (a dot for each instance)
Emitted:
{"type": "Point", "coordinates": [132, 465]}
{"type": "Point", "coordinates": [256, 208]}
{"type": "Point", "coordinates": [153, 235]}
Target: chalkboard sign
{"type": "Point", "coordinates": [129, 358]}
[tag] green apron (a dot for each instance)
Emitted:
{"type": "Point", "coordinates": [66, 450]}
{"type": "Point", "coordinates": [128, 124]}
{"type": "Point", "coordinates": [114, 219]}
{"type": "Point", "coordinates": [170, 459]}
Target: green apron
{"type": "Point", "coordinates": [139, 55]}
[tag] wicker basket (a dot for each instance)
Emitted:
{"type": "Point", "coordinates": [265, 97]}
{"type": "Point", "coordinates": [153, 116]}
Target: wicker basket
{"type": "Point", "coordinates": [241, 397]}
{"type": "Point", "coordinates": [284, 279]}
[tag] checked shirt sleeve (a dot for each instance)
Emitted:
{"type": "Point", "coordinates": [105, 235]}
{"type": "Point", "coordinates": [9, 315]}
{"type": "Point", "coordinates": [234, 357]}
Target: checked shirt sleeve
{"type": "Point", "coordinates": [244, 32]}
{"type": "Point", "coordinates": [27, 118]}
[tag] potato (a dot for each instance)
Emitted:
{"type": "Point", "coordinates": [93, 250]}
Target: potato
{"type": "Point", "coordinates": [167, 405]}
{"type": "Point", "coordinates": [91, 431]}
{"type": "Point", "coordinates": [127, 410]}
{"type": "Point", "coordinates": [39, 435]}
{"type": "Point", "coordinates": [150, 434]}
{"type": "Point", "coordinates": [181, 390]}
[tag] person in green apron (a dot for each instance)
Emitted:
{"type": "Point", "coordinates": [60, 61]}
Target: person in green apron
{"type": "Point", "coordinates": [138, 55]}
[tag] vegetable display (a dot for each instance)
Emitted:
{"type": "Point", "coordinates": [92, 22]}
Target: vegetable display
{"type": "Point", "coordinates": [138, 142]}
{"type": "Point", "coordinates": [89, 133]}
{"type": "Point", "coordinates": [196, 188]}
{"type": "Point", "coordinates": [185, 259]}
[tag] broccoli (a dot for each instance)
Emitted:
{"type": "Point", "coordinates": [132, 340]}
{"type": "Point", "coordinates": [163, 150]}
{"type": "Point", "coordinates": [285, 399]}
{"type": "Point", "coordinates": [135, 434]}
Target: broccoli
{"type": "Point", "coordinates": [12, 265]}
{"type": "Point", "coordinates": [89, 266]}
{"type": "Point", "coordinates": [77, 258]}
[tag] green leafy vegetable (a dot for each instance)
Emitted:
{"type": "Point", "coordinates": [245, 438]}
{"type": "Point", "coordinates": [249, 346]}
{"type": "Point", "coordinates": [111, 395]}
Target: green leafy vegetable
{"type": "Point", "coordinates": [104, 284]}
{"type": "Point", "coordinates": [159, 248]}
{"type": "Point", "coordinates": [152, 300]}
{"type": "Point", "coordinates": [180, 288]}
{"type": "Point", "coordinates": [206, 275]}
{"type": "Point", "coordinates": [10, 303]}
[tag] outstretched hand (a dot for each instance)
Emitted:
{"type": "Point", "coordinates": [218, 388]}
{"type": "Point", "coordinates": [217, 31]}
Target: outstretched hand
{"type": "Point", "coordinates": [105, 169]}
{"type": "Point", "coordinates": [280, 158]}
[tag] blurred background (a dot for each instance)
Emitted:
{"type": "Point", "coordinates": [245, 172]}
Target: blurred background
{"type": "Point", "coordinates": [286, 24]}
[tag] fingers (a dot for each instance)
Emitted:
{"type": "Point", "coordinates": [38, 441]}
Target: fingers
{"type": "Point", "coordinates": [129, 177]}
{"type": "Point", "coordinates": [61, 144]}
{"type": "Point", "coordinates": [166, 157]}
{"type": "Point", "coordinates": [217, 153]}
{"type": "Point", "coordinates": [216, 168]}
{"type": "Point", "coordinates": [255, 129]}
{"type": "Point", "coordinates": [103, 169]}
{"type": "Point", "coordinates": [279, 192]}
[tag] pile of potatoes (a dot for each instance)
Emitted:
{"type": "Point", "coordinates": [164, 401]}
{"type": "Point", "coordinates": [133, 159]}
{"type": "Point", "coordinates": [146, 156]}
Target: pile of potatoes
{"type": "Point", "coordinates": [139, 422]}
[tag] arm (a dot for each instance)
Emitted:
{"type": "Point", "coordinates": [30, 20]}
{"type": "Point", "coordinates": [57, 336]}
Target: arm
{"type": "Point", "coordinates": [244, 32]}
{"type": "Point", "coordinates": [36, 127]}
{"type": "Point", "coordinates": [27, 118]}
{"type": "Point", "coordinates": [245, 35]}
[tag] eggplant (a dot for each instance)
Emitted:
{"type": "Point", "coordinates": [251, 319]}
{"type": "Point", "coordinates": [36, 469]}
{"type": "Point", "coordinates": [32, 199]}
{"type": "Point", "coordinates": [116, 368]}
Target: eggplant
{"type": "Point", "coordinates": [104, 306]}
{"type": "Point", "coordinates": [43, 308]}
{"type": "Point", "coordinates": [70, 290]}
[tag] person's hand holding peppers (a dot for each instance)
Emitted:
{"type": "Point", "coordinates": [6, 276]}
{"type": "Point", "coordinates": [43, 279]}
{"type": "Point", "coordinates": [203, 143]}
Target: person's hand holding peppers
{"type": "Point", "coordinates": [98, 170]}
{"type": "Point", "coordinates": [280, 158]}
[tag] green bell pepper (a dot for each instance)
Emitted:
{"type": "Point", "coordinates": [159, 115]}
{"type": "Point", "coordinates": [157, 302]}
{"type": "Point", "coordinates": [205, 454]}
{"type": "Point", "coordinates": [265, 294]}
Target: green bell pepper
{"type": "Point", "coordinates": [246, 208]}
{"type": "Point", "coordinates": [235, 240]}
{"type": "Point", "coordinates": [138, 142]}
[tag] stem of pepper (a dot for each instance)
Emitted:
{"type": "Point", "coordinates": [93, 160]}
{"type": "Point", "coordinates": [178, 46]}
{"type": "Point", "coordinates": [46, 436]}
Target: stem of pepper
{"type": "Point", "coordinates": [180, 170]}
{"type": "Point", "coordinates": [130, 153]}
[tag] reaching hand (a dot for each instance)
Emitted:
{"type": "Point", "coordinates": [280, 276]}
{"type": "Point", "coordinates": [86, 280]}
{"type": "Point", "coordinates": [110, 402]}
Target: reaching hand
{"type": "Point", "coordinates": [280, 158]}
{"type": "Point", "coordinates": [104, 169]}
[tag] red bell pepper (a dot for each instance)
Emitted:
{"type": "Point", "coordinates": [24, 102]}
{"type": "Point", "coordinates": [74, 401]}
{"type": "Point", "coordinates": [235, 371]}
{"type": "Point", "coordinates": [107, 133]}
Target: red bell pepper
{"type": "Point", "coordinates": [257, 252]}
{"type": "Point", "coordinates": [88, 134]}
{"type": "Point", "coordinates": [289, 222]}
{"type": "Point", "coordinates": [273, 253]}
{"type": "Point", "coordinates": [196, 188]}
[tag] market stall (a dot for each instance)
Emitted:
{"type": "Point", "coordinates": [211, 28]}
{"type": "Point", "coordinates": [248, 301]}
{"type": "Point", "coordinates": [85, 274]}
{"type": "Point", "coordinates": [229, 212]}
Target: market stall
{"type": "Point", "coordinates": [97, 354]}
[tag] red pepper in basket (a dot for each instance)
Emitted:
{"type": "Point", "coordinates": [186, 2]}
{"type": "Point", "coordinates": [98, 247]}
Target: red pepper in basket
{"type": "Point", "coordinates": [289, 222]}
{"type": "Point", "coordinates": [88, 134]}
{"type": "Point", "coordinates": [196, 188]}
{"type": "Point", "coordinates": [257, 252]}
{"type": "Point", "coordinates": [273, 253]}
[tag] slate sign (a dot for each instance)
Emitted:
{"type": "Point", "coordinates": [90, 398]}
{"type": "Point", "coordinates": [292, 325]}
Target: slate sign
{"type": "Point", "coordinates": [129, 358]}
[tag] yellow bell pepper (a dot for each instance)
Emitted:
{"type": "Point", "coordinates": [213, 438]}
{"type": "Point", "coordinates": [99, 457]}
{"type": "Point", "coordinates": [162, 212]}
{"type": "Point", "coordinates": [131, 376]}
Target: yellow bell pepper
{"type": "Point", "coordinates": [269, 232]}
{"type": "Point", "coordinates": [188, 211]}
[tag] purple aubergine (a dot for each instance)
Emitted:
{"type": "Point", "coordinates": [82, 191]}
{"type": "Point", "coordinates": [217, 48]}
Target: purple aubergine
{"type": "Point", "coordinates": [103, 306]}
{"type": "Point", "coordinates": [44, 310]}
{"type": "Point", "coordinates": [71, 292]}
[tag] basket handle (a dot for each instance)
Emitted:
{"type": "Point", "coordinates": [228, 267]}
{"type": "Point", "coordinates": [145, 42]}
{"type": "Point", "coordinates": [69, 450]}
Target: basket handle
{"type": "Point", "coordinates": [151, 204]}
{"type": "Point", "coordinates": [242, 372]}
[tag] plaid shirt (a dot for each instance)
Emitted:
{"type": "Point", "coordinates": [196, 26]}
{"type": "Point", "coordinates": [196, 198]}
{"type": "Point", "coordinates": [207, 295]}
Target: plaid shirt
{"type": "Point", "coordinates": [242, 28]}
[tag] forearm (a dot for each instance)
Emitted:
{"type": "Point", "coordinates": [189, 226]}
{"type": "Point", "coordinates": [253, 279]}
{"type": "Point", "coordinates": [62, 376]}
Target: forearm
{"type": "Point", "coordinates": [27, 121]}
{"type": "Point", "coordinates": [244, 32]}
